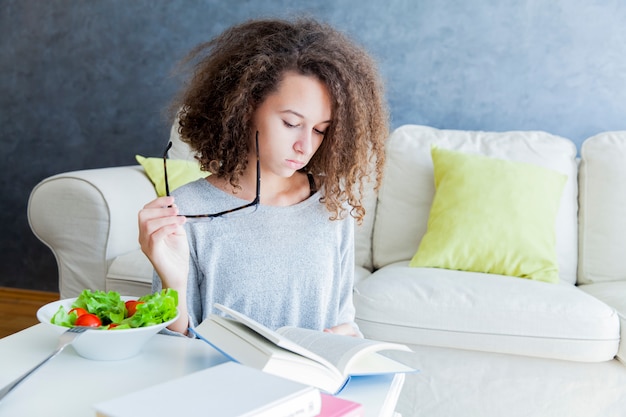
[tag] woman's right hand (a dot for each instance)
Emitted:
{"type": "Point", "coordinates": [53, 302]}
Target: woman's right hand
{"type": "Point", "coordinates": [164, 241]}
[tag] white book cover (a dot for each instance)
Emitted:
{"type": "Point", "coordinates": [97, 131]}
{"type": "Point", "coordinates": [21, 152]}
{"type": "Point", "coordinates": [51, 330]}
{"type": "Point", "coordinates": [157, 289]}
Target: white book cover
{"type": "Point", "coordinates": [226, 390]}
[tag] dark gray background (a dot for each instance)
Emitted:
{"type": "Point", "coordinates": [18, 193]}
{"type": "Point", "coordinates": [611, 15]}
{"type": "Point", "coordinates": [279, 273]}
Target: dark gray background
{"type": "Point", "coordinates": [83, 84]}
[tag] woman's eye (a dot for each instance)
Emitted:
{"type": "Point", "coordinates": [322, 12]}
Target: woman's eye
{"type": "Point", "coordinates": [291, 126]}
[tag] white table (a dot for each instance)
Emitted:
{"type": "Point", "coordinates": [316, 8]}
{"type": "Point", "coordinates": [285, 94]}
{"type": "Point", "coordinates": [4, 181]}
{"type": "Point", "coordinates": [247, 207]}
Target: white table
{"type": "Point", "coordinates": [68, 385]}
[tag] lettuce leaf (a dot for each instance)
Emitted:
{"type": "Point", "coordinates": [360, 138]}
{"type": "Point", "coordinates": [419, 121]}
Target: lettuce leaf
{"type": "Point", "coordinates": [63, 318]}
{"type": "Point", "coordinates": [156, 308]}
{"type": "Point", "coordinates": [109, 306]}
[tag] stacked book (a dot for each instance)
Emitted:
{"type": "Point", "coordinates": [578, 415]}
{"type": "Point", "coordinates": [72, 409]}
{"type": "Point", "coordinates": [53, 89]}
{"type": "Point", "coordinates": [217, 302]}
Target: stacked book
{"type": "Point", "coordinates": [290, 372]}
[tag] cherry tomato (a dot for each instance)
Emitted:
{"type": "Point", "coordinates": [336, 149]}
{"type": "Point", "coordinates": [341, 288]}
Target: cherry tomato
{"type": "Point", "coordinates": [131, 306]}
{"type": "Point", "coordinates": [112, 326]}
{"type": "Point", "coordinates": [89, 320]}
{"type": "Point", "coordinates": [79, 311]}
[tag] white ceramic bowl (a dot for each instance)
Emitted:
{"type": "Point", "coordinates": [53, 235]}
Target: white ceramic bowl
{"type": "Point", "coordinates": [103, 345]}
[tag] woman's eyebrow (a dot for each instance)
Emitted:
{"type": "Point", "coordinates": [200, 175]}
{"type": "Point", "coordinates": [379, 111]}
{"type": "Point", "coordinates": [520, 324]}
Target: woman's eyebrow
{"type": "Point", "coordinates": [295, 113]}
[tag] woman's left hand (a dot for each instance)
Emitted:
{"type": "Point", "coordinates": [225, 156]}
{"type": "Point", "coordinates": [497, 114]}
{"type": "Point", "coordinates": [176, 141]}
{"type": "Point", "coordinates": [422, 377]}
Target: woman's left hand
{"type": "Point", "coordinates": [345, 329]}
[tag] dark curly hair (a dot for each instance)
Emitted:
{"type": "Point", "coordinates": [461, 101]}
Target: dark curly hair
{"type": "Point", "coordinates": [234, 73]}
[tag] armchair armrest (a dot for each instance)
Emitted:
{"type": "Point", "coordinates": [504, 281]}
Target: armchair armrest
{"type": "Point", "coordinates": [88, 218]}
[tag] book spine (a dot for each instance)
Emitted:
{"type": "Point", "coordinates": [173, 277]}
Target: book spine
{"type": "Point", "coordinates": [308, 405]}
{"type": "Point", "coordinates": [199, 336]}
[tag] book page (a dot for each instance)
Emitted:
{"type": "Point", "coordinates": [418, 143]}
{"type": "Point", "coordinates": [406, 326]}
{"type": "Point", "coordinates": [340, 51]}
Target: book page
{"type": "Point", "coordinates": [277, 338]}
{"type": "Point", "coordinates": [242, 344]}
{"type": "Point", "coordinates": [337, 349]}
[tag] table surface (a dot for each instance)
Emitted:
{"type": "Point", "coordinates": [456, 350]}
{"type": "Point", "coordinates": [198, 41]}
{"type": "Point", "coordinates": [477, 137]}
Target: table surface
{"type": "Point", "coordinates": [69, 384]}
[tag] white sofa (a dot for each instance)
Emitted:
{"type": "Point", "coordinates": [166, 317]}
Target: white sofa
{"type": "Point", "coordinates": [485, 344]}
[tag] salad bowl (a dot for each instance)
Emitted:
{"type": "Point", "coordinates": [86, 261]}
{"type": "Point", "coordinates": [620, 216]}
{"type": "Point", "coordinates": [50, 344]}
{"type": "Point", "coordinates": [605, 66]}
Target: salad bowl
{"type": "Point", "coordinates": [99, 344]}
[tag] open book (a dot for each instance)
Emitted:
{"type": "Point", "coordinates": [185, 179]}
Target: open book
{"type": "Point", "coordinates": [324, 360]}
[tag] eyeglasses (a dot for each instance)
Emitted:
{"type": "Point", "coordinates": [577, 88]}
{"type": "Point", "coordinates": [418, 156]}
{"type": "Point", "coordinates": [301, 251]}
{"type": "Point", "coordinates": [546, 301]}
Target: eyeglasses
{"type": "Point", "coordinates": [245, 209]}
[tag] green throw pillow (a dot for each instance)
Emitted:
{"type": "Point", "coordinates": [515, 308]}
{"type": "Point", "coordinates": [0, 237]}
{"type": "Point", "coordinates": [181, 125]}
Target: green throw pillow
{"type": "Point", "coordinates": [179, 172]}
{"type": "Point", "coordinates": [492, 215]}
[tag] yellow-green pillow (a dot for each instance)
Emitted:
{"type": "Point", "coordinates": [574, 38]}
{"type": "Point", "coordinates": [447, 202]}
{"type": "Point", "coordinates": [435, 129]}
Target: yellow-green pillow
{"type": "Point", "coordinates": [179, 172]}
{"type": "Point", "coordinates": [492, 215]}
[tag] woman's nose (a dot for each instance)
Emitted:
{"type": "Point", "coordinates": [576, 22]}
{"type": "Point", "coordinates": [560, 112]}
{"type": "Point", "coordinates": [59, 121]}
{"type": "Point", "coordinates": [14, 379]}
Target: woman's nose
{"type": "Point", "coordinates": [304, 144]}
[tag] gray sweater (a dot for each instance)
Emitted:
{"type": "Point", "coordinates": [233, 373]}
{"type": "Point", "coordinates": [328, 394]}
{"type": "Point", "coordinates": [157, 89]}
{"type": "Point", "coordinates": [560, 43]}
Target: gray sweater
{"type": "Point", "coordinates": [278, 265]}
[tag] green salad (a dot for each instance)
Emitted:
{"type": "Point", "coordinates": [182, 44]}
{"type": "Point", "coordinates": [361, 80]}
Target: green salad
{"type": "Point", "coordinates": [107, 310]}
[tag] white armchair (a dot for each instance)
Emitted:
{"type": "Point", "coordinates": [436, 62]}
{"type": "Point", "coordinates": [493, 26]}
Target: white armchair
{"type": "Point", "coordinates": [83, 217]}
{"type": "Point", "coordinates": [88, 219]}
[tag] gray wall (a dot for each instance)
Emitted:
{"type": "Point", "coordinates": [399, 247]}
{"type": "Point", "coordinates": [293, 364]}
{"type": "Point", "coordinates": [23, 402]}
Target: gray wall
{"type": "Point", "coordinates": [83, 83]}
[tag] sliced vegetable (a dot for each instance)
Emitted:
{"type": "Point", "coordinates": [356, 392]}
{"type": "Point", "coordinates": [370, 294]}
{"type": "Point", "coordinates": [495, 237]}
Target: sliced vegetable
{"type": "Point", "coordinates": [155, 308]}
{"type": "Point", "coordinates": [78, 311]}
{"type": "Point", "coordinates": [88, 320]}
{"type": "Point", "coordinates": [115, 314]}
{"type": "Point", "coordinates": [131, 307]}
{"type": "Point", "coordinates": [109, 306]}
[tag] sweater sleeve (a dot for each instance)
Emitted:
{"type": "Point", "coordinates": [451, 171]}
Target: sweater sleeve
{"type": "Point", "coordinates": [157, 286]}
{"type": "Point", "coordinates": [347, 310]}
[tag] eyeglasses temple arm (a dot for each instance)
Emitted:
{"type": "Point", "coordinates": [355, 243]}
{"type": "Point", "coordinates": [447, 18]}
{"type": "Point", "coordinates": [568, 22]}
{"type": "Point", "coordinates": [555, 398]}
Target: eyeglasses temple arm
{"type": "Point", "coordinates": [167, 186]}
{"type": "Point", "coordinates": [258, 170]}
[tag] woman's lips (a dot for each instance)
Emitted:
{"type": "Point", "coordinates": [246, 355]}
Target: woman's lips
{"type": "Point", "coordinates": [294, 164]}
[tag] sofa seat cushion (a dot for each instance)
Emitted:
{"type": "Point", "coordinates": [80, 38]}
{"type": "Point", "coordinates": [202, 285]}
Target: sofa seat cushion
{"type": "Point", "coordinates": [612, 293]}
{"type": "Point", "coordinates": [486, 312]}
{"type": "Point", "coordinates": [130, 274]}
{"type": "Point", "coordinates": [464, 383]}
{"type": "Point", "coordinates": [361, 273]}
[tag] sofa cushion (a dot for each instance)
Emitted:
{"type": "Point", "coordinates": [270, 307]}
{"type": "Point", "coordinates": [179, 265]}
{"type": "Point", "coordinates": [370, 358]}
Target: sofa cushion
{"type": "Point", "coordinates": [361, 273]}
{"type": "Point", "coordinates": [602, 201]}
{"type": "Point", "coordinates": [406, 195]}
{"type": "Point", "coordinates": [465, 383]}
{"type": "Point", "coordinates": [363, 231]}
{"type": "Point", "coordinates": [130, 274]}
{"type": "Point", "coordinates": [492, 215]}
{"type": "Point", "coordinates": [179, 172]}
{"type": "Point", "coordinates": [488, 312]}
{"type": "Point", "coordinates": [179, 149]}
{"type": "Point", "coordinates": [612, 294]}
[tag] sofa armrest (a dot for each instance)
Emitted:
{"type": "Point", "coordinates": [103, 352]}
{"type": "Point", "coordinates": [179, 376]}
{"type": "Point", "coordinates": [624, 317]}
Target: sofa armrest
{"type": "Point", "coordinates": [87, 218]}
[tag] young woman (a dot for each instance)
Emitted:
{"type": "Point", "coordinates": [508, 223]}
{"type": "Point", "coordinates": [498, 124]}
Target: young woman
{"type": "Point", "coordinates": [289, 119]}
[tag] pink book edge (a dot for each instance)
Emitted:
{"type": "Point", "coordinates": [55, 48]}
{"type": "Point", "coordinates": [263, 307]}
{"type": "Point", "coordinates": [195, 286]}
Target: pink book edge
{"type": "Point", "coordinates": [338, 407]}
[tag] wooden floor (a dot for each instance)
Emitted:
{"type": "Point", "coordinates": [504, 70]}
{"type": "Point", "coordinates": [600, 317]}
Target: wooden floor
{"type": "Point", "coordinates": [18, 308]}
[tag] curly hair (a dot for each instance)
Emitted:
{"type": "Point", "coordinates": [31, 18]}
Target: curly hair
{"type": "Point", "coordinates": [234, 73]}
